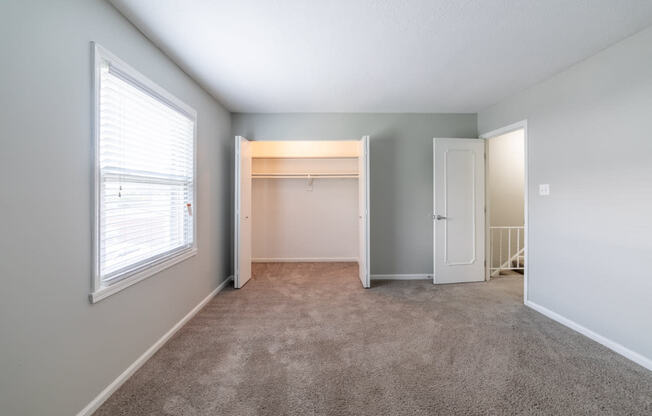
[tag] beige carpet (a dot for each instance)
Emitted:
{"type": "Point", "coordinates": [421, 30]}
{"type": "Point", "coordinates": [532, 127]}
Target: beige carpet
{"type": "Point", "coordinates": [306, 339]}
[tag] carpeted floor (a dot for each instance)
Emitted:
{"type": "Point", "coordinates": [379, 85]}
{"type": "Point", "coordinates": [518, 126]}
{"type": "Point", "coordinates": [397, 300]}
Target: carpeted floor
{"type": "Point", "coordinates": [306, 339]}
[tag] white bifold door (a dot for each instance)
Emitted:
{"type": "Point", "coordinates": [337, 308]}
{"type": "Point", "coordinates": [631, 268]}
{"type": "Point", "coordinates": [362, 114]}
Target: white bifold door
{"type": "Point", "coordinates": [243, 201]}
{"type": "Point", "coordinates": [459, 214]}
{"type": "Point", "coordinates": [363, 212]}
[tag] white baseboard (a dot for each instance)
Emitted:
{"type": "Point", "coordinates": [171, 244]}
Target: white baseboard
{"type": "Point", "coordinates": [612, 345]}
{"type": "Point", "coordinates": [401, 277]}
{"type": "Point", "coordinates": [305, 260]}
{"type": "Point", "coordinates": [115, 384]}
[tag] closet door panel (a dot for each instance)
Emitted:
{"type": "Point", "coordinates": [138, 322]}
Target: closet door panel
{"type": "Point", "coordinates": [363, 209]}
{"type": "Point", "coordinates": [243, 196]}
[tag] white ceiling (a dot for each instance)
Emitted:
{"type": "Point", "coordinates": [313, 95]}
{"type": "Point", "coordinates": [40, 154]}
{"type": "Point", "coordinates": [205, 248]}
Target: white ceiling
{"type": "Point", "coordinates": [379, 55]}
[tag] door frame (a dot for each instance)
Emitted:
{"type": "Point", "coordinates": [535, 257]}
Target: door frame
{"type": "Point", "coordinates": [519, 125]}
{"type": "Point", "coordinates": [236, 211]}
{"type": "Point", "coordinates": [366, 256]}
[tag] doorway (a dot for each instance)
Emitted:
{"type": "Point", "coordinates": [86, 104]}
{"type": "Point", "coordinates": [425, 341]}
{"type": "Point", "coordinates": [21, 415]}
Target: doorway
{"type": "Point", "coordinates": [506, 203]}
{"type": "Point", "coordinates": [480, 213]}
{"type": "Point", "coordinates": [301, 202]}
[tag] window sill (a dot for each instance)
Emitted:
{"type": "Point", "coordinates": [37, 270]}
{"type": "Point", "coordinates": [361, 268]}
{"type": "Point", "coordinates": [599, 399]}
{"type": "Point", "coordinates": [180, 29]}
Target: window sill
{"type": "Point", "coordinates": [106, 291]}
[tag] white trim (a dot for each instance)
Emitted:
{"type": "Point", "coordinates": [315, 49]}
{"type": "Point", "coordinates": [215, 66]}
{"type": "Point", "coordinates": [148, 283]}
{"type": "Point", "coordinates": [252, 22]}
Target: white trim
{"type": "Point", "coordinates": [98, 290]}
{"type": "Point", "coordinates": [420, 276]}
{"type": "Point", "coordinates": [504, 130]}
{"type": "Point", "coordinates": [367, 255]}
{"type": "Point", "coordinates": [526, 209]}
{"type": "Point", "coordinates": [106, 291]}
{"type": "Point", "coordinates": [101, 53]}
{"type": "Point", "coordinates": [236, 214]}
{"type": "Point", "coordinates": [612, 345]}
{"type": "Point", "coordinates": [364, 262]}
{"type": "Point", "coordinates": [115, 384]}
{"type": "Point", "coordinates": [304, 260]}
{"type": "Point", "coordinates": [434, 209]}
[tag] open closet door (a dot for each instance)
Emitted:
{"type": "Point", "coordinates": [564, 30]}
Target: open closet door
{"type": "Point", "coordinates": [242, 232]}
{"type": "Point", "coordinates": [458, 217]}
{"type": "Point", "coordinates": [363, 208]}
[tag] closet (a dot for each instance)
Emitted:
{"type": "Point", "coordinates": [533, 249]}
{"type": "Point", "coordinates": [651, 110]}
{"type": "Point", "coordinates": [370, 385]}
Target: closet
{"type": "Point", "coordinates": [301, 201]}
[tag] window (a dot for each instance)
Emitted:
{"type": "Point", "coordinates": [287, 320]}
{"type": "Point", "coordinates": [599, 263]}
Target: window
{"type": "Point", "coordinates": [144, 177]}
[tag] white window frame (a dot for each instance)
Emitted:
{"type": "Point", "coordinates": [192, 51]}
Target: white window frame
{"type": "Point", "coordinates": [99, 290]}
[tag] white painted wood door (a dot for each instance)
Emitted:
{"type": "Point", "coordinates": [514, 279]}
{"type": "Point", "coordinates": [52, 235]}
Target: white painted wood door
{"type": "Point", "coordinates": [459, 218]}
{"type": "Point", "coordinates": [363, 213]}
{"type": "Point", "coordinates": [242, 233]}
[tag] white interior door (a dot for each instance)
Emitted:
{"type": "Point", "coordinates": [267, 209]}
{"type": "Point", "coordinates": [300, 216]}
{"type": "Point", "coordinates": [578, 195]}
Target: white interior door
{"type": "Point", "coordinates": [242, 234]}
{"type": "Point", "coordinates": [363, 212]}
{"type": "Point", "coordinates": [459, 218]}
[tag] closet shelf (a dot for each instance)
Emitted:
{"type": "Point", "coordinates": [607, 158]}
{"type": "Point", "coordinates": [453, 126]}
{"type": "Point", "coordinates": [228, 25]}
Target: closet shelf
{"type": "Point", "coordinates": [305, 157]}
{"type": "Point", "coordinates": [331, 175]}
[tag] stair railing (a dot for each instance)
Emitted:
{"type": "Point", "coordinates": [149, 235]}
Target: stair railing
{"type": "Point", "coordinates": [507, 249]}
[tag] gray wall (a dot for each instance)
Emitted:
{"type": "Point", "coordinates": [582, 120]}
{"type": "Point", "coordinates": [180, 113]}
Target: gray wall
{"type": "Point", "coordinates": [401, 172]}
{"type": "Point", "coordinates": [589, 138]}
{"type": "Point", "coordinates": [57, 351]}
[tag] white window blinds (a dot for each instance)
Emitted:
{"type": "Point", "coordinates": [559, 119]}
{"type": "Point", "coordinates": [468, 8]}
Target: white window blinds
{"type": "Point", "coordinates": [145, 176]}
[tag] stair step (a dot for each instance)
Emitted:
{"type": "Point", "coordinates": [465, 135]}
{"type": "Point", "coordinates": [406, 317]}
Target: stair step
{"type": "Point", "coordinates": [520, 262]}
{"type": "Point", "coordinates": [510, 272]}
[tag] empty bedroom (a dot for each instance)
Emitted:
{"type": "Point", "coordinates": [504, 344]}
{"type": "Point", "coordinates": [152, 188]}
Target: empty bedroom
{"type": "Point", "coordinates": [362, 207]}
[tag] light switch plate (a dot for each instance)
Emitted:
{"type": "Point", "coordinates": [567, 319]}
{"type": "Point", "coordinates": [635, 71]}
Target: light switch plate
{"type": "Point", "coordinates": [544, 189]}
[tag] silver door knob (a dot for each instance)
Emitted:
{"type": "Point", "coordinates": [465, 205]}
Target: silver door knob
{"type": "Point", "coordinates": [438, 217]}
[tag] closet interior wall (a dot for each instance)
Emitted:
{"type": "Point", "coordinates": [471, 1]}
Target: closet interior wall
{"type": "Point", "coordinates": [305, 201]}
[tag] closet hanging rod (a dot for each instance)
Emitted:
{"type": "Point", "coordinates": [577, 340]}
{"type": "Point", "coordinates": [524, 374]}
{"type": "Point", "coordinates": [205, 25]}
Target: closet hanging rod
{"type": "Point", "coordinates": [304, 173]}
